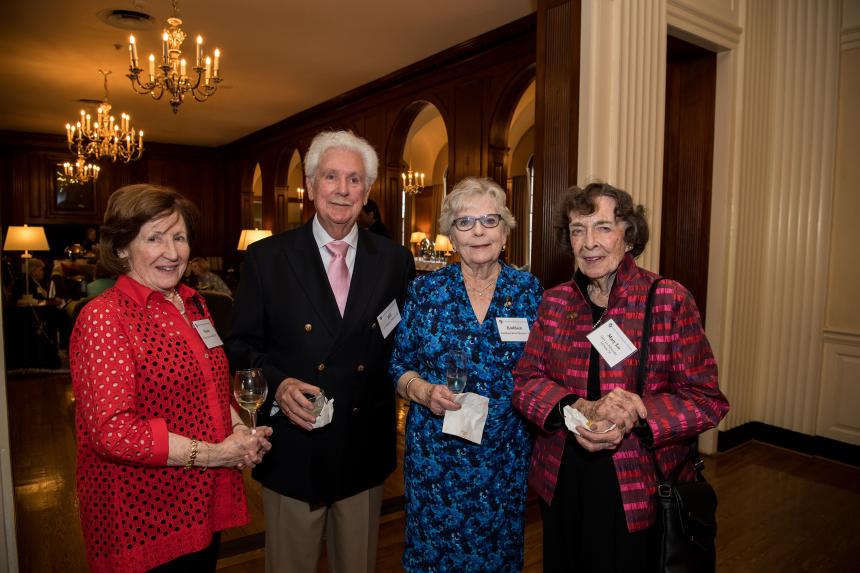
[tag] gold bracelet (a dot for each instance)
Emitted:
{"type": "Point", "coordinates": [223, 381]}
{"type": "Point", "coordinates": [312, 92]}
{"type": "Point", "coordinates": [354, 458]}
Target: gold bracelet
{"type": "Point", "coordinates": [406, 386]}
{"type": "Point", "coordinates": [192, 455]}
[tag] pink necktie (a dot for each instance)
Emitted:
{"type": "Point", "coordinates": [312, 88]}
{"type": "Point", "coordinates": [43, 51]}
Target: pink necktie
{"type": "Point", "coordinates": [338, 273]}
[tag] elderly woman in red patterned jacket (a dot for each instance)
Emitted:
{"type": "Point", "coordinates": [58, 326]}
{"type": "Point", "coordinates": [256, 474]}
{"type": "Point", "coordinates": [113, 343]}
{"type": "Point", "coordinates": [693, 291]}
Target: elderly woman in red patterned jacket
{"type": "Point", "coordinates": [597, 488]}
{"type": "Point", "coordinates": [159, 444]}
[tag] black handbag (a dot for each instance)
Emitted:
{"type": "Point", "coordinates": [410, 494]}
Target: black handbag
{"type": "Point", "coordinates": [686, 512]}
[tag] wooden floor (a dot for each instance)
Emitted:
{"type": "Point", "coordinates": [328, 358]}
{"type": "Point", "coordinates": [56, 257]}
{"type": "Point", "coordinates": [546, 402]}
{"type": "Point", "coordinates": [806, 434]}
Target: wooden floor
{"type": "Point", "coordinates": [779, 510]}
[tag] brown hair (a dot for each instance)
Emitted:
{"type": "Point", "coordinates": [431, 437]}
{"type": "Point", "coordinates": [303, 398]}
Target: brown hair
{"type": "Point", "coordinates": [201, 262]}
{"type": "Point", "coordinates": [581, 201]}
{"type": "Point", "coordinates": [131, 207]}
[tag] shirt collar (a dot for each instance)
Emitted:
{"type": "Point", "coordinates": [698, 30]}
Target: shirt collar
{"type": "Point", "coordinates": [141, 294]}
{"type": "Point", "coordinates": [323, 238]}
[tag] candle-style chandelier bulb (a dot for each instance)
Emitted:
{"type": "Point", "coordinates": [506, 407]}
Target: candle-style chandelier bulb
{"type": "Point", "coordinates": [80, 171]}
{"type": "Point", "coordinates": [101, 137]}
{"type": "Point", "coordinates": [413, 182]}
{"type": "Point", "coordinates": [171, 76]}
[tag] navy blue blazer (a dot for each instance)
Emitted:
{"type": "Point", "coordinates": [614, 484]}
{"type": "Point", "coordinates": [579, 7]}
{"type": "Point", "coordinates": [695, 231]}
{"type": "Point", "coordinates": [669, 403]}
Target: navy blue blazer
{"type": "Point", "coordinates": [286, 321]}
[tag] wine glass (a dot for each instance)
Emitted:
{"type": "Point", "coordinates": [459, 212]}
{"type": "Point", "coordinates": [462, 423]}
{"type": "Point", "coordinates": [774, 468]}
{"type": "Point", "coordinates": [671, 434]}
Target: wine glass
{"type": "Point", "coordinates": [250, 389]}
{"type": "Point", "coordinates": [457, 371]}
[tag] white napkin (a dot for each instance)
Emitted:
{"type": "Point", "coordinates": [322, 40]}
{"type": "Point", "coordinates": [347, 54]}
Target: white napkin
{"type": "Point", "coordinates": [467, 422]}
{"type": "Point", "coordinates": [573, 418]}
{"type": "Point", "coordinates": [326, 415]}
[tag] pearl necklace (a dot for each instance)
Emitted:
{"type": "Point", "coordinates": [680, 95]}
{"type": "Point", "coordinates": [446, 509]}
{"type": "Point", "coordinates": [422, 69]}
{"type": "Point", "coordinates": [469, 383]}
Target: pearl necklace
{"type": "Point", "coordinates": [176, 300]}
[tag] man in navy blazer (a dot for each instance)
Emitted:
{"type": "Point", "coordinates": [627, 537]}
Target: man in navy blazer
{"type": "Point", "coordinates": [287, 321]}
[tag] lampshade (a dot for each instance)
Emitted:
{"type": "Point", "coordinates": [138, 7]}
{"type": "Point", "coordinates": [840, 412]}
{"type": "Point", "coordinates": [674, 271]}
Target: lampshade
{"type": "Point", "coordinates": [417, 237]}
{"type": "Point", "coordinates": [26, 239]}
{"type": "Point", "coordinates": [443, 243]}
{"type": "Point", "coordinates": [249, 236]}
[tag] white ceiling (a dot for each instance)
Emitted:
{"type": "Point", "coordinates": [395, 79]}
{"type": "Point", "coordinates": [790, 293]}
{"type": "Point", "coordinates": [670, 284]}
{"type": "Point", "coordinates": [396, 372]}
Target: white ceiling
{"type": "Point", "coordinates": [279, 57]}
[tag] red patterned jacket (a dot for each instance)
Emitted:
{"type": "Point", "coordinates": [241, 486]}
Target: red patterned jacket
{"type": "Point", "coordinates": [139, 371]}
{"type": "Point", "coordinates": [681, 392]}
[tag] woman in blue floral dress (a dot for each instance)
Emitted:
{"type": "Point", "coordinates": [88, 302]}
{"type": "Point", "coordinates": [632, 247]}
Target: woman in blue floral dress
{"type": "Point", "coordinates": [465, 501]}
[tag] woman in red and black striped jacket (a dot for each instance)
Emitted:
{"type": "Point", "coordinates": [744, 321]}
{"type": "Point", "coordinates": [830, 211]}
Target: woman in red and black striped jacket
{"type": "Point", "coordinates": [597, 488]}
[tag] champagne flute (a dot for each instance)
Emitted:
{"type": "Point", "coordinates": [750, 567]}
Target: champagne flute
{"type": "Point", "coordinates": [457, 371]}
{"type": "Point", "coordinates": [250, 389]}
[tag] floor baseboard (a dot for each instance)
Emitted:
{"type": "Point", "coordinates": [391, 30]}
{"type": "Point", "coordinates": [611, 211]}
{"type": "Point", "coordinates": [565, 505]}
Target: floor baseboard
{"type": "Point", "coordinates": [803, 443]}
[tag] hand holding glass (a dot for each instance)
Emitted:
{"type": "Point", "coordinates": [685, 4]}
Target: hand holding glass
{"type": "Point", "coordinates": [317, 400]}
{"type": "Point", "coordinates": [457, 371]}
{"type": "Point", "coordinates": [250, 389]}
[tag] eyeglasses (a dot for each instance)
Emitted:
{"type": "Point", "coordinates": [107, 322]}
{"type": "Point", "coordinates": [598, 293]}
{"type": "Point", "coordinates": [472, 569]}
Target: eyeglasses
{"type": "Point", "coordinates": [488, 221]}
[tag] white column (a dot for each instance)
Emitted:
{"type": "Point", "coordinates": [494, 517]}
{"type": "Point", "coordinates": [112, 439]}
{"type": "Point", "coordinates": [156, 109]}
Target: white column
{"type": "Point", "coordinates": [784, 209]}
{"type": "Point", "coordinates": [622, 103]}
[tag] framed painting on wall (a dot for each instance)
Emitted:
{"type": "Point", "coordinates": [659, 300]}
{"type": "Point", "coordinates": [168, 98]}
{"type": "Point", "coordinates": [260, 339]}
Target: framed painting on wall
{"type": "Point", "coordinates": [71, 195]}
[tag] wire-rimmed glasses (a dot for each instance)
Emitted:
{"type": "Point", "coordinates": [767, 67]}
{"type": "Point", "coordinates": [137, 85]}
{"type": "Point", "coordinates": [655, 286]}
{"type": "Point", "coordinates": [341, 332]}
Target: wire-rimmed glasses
{"type": "Point", "coordinates": [488, 221]}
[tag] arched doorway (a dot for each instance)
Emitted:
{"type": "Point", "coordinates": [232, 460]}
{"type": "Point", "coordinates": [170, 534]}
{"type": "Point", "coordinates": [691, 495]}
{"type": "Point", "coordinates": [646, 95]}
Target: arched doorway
{"type": "Point", "coordinates": [289, 190]}
{"type": "Point", "coordinates": [425, 151]}
{"type": "Point", "coordinates": [257, 198]}
{"type": "Point", "coordinates": [520, 182]}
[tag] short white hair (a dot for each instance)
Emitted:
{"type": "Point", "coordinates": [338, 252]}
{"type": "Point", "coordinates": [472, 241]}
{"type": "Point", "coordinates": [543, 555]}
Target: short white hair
{"type": "Point", "coordinates": [464, 193]}
{"type": "Point", "coordinates": [342, 140]}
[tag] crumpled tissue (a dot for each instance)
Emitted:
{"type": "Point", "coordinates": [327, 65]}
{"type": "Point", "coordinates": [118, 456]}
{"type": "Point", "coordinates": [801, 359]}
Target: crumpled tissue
{"type": "Point", "coordinates": [573, 418]}
{"type": "Point", "coordinates": [467, 422]}
{"type": "Point", "coordinates": [326, 415]}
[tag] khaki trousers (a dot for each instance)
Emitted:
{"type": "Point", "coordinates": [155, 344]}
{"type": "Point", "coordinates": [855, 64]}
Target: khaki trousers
{"type": "Point", "coordinates": [294, 533]}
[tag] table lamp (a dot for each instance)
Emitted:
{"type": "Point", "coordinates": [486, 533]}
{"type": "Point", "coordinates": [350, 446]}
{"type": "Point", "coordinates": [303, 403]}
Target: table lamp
{"type": "Point", "coordinates": [26, 239]}
{"type": "Point", "coordinates": [443, 244]}
{"type": "Point", "coordinates": [249, 236]}
{"type": "Point", "coordinates": [417, 237]}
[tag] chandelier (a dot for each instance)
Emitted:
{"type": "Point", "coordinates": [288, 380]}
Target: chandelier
{"type": "Point", "coordinates": [79, 172]}
{"type": "Point", "coordinates": [104, 137]}
{"type": "Point", "coordinates": [171, 76]}
{"type": "Point", "coordinates": [411, 180]}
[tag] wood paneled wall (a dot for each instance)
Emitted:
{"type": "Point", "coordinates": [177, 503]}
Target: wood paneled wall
{"type": "Point", "coordinates": [475, 86]}
{"type": "Point", "coordinates": [556, 130]}
{"type": "Point", "coordinates": [27, 163]}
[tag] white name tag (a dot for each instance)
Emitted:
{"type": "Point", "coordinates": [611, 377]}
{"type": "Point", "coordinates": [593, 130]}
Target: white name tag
{"type": "Point", "coordinates": [388, 318]}
{"type": "Point", "coordinates": [513, 329]}
{"type": "Point", "coordinates": [611, 343]}
{"type": "Point", "coordinates": [207, 332]}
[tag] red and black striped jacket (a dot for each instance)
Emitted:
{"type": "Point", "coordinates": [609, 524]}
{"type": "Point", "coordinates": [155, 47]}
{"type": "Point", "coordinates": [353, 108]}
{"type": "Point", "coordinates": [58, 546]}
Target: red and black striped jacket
{"type": "Point", "coordinates": [681, 392]}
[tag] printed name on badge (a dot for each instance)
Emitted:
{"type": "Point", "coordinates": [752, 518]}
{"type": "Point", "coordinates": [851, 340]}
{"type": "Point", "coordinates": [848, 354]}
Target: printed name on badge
{"type": "Point", "coordinates": [207, 332]}
{"type": "Point", "coordinates": [388, 318]}
{"type": "Point", "coordinates": [513, 329]}
{"type": "Point", "coordinates": [611, 342]}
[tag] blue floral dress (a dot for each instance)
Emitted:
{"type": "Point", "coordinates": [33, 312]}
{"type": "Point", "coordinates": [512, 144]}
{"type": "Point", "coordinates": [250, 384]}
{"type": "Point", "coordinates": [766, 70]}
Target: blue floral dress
{"type": "Point", "coordinates": [464, 501]}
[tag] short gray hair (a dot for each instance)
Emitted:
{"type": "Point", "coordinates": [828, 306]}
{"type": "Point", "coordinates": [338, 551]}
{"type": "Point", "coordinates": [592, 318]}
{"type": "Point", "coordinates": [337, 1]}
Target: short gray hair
{"type": "Point", "coordinates": [343, 140]}
{"type": "Point", "coordinates": [461, 197]}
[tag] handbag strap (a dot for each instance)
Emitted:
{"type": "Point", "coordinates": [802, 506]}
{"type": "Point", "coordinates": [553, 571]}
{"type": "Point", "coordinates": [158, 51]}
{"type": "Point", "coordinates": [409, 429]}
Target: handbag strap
{"type": "Point", "coordinates": [646, 335]}
{"type": "Point", "coordinates": [640, 385]}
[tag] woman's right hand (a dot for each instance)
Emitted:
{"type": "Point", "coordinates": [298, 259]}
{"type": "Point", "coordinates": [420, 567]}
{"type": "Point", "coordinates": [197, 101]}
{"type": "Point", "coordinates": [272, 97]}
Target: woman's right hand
{"type": "Point", "coordinates": [601, 438]}
{"type": "Point", "coordinates": [242, 449]}
{"type": "Point", "coordinates": [619, 407]}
